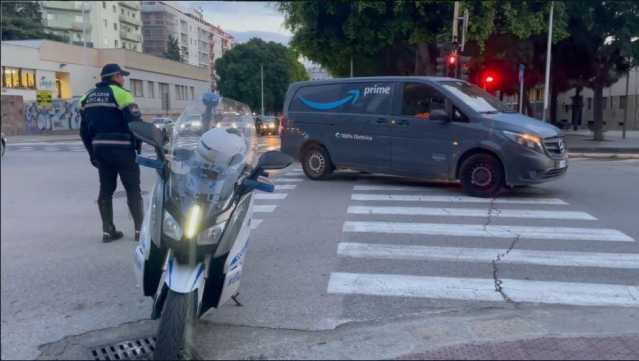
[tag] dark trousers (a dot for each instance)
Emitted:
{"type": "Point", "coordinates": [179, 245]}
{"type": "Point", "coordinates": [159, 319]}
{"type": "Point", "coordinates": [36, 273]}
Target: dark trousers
{"type": "Point", "coordinates": [114, 161]}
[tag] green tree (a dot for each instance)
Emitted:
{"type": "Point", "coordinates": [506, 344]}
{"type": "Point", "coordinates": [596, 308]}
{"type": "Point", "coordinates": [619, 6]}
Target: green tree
{"type": "Point", "coordinates": [173, 50]}
{"type": "Point", "coordinates": [401, 37]}
{"type": "Point", "coordinates": [600, 43]}
{"type": "Point", "coordinates": [23, 21]}
{"type": "Point", "coordinates": [239, 73]}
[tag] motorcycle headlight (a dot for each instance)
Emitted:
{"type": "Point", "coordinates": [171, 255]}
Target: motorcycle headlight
{"type": "Point", "coordinates": [171, 227]}
{"type": "Point", "coordinates": [212, 235]}
{"type": "Point", "coordinates": [192, 221]}
{"type": "Point", "coordinates": [527, 140]}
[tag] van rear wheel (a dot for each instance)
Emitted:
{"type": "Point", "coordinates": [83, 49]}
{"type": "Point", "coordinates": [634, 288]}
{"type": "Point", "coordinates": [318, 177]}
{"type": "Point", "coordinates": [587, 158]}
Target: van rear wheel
{"type": "Point", "coordinates": [482, 176]}
{"type": "Point", "coordinates": [316, 163]}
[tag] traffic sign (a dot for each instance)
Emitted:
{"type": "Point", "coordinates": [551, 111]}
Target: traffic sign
{"type": "Point", "coordinates": [43, 98]}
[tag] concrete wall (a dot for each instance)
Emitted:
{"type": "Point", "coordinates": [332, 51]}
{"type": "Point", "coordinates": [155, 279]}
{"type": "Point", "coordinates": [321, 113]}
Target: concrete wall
{"type": "Point", "coordinates": [12, 115]}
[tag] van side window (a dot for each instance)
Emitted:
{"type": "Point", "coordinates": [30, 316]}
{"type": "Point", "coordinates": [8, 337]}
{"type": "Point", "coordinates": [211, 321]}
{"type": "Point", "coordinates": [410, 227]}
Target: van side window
{"type": "Point", "coordinates": [322, 98]}
{"type": "Point", "coordinates": [419, 100]}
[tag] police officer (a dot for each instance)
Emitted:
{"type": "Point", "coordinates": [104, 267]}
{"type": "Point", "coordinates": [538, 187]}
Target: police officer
{"type": "Point", "coordinates": [106, 111]}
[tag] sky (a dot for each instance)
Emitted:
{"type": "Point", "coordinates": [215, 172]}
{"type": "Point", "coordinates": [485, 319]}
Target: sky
{"type": "Point", "coordinates": [245, 19]}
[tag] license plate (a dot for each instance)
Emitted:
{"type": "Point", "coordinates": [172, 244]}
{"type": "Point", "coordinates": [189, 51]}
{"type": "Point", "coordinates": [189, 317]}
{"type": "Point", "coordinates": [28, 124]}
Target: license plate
{"type": "Point", "coordinates": [561, 164]}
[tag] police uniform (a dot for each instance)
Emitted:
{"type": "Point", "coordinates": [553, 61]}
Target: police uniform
{"type": "Point", "coordinates": [106, 111]}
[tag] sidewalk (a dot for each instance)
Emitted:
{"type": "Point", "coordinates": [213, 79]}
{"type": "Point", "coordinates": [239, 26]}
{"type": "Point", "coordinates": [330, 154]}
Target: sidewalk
{"type": "Point", "coordinates": [53, 137]}
{"type": "Point", "coordinates": [544, 348]}
{"type": "Point", "coordinates": [581, 142]}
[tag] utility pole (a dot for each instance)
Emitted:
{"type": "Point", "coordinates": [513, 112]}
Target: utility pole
{"type": "Point", "coordinates": [351, 66]}
{"type": "Point", "coordinates": [548, 55]}
{"type": "Point", "coordinates": [625, 107]}
{"type": "Point", "coordinates": [262, 88]}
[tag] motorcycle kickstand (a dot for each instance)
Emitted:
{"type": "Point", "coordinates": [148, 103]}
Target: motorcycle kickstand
{"type": "Point", "coordinates": [237, 302]}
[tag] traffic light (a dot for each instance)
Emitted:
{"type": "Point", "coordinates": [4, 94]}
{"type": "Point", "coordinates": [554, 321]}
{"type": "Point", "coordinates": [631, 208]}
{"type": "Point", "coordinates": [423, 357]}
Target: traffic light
{"type": "Point", "coordinates": [451, 63]}
{"type": "Point", "coordinates": [489, 80]}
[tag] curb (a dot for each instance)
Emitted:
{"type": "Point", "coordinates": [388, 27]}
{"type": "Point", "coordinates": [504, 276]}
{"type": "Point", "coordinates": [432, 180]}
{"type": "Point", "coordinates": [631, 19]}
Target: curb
{"type": "Point", "coordinates": [605, 155]}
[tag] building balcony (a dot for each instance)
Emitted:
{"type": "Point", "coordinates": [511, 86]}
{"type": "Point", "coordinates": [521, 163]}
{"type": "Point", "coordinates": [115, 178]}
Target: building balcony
{"type": "Point", "coordinates": [64, 5]}
{"type": "Point", "coordinates": [130, 20]}
{"type": "Point", "coordinates": [134, 5]}
{"type": "Point", "coordinates": [131, 36]}
{"type": "Point", "coordinates": [79, 26]}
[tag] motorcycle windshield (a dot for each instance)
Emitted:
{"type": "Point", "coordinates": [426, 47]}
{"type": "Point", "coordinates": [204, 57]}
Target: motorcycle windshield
{"type": "Point", "coordinates": [198, 174]}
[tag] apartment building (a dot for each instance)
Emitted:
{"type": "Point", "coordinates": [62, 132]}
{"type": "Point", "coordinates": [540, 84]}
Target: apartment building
{"type": "Point", "coordinates": [200, 42]}
{"type": "Point", "coordinates": [96, 24]}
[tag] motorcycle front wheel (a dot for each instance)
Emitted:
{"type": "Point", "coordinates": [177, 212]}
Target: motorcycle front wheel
{"type": "Point", "coordinates": [175, 332]}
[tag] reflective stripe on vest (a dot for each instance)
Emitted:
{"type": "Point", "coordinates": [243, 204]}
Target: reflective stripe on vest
{"type": "Point", "coordinates": [95, 105]}
{"type": "Point", "coordinates": [106, 141]}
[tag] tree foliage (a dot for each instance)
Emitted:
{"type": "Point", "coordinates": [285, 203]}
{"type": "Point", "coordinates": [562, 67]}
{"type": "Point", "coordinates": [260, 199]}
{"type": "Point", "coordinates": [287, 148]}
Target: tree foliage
{"type": "Point", "coordinates": [400, 37]}
{"type": "Point", "coordinates": [23, 21]}
{"type": "Point", "coordinates": [239, 73]}
{"type": "Point", "coordinates": [173, 50]}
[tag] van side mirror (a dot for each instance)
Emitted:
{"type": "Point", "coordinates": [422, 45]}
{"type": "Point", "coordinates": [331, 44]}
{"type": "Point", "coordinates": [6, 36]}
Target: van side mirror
{"type": "Point", "coordinates": [148, 133]}
{"type": "Point", "coordinates": [439, 114]}
{"type": "Point", "coordinates": [274, 160]}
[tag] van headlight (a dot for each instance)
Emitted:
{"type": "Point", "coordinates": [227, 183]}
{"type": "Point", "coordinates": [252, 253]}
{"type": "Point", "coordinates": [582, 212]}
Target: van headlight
{"type": "Point", "coordinates": [171, 227]}
{"type": "Point", "coordinates": [524, 139]}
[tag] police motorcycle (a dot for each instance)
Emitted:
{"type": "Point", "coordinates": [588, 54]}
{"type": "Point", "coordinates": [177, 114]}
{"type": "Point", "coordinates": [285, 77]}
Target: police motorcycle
{"type": "Point", "coordinates": [197, 226]}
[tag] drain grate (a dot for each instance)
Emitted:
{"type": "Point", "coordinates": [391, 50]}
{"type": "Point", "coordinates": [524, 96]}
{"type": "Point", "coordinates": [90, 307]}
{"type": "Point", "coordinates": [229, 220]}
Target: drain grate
{"type": "Point", "coordinates": [122, 194]}
{"type": "Point", "coordinates": [140, 349]}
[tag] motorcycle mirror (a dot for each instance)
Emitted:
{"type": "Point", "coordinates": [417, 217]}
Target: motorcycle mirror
{"type": "Point", "coordinates": [147, 133]}
{"type": "Point", "coordinates": [274, 160]}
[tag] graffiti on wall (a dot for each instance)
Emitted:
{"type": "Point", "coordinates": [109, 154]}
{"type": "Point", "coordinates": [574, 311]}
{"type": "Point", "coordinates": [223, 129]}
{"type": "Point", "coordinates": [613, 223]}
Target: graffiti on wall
{"type": "Point", "coordinates": [61, 115]}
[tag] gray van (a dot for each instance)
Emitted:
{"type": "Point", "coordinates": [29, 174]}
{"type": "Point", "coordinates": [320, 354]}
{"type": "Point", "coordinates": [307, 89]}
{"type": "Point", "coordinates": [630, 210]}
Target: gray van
{"type": "Point", "coordinates": [431, 127]}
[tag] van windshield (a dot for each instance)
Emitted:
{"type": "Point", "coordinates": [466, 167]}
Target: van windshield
{"type": "Point", "coordinates": [480, 100]}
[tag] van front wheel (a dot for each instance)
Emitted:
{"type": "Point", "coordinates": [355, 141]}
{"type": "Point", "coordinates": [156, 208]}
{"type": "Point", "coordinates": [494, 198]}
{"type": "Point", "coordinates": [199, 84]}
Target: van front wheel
{"type": "Point", "coordinates": [316, 163]}
{"type": "Point", "coordinates": [482, 176]}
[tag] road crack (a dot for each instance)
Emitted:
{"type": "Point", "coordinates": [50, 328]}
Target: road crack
{"type": "Point", "coordinates": [498, 282]}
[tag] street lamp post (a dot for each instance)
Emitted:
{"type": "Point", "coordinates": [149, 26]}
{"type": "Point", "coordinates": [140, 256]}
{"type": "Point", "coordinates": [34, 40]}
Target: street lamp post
{"type": "Point", "coordinates": [548, 54]}
{"type": "Point", "coordinates": [262, 88]}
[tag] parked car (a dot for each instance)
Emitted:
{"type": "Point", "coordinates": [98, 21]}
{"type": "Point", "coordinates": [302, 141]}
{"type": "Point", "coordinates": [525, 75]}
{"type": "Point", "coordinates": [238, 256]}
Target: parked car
{"type": "Point", "coordinates": [162, 122]}
{"type": "Point", "coordinates": [3, 145]}
{"type": "Point", "coordinates": [430, 127]}
{"type": "Point", "coordinates": [267, 125]}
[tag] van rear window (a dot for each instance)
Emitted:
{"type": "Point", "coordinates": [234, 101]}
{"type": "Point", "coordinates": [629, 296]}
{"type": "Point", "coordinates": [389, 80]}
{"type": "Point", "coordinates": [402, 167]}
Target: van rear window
{"type": "Point", "coordinates": [354, 98]}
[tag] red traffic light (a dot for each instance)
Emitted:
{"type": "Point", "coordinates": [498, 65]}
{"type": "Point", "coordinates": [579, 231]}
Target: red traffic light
{"type": "Point", "coordinates": [452, 59]}
{"type": "Point", "coordinates": [489, 79]}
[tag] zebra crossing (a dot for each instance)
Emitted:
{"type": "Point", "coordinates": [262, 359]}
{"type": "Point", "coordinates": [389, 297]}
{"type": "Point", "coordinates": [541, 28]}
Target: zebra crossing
{"type": "Point", "coordinates": [267, 203]}
{"type": "Point", "coordinates": [380, 218]}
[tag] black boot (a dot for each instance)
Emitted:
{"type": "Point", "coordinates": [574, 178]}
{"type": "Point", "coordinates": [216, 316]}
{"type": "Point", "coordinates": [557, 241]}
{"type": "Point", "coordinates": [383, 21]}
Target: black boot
{"type": "Point", "coordinates": [109, 233]}
{"type": "Point", "coordinates": [136, 205]}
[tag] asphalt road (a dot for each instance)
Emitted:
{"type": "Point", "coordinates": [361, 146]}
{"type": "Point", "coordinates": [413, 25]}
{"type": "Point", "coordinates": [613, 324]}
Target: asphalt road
{"type": "Point", "coordinates": [353, 248]}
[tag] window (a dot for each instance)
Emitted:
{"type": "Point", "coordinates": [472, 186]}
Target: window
{"type": "Point", "coordinates": [17, 78]}
{"type": "Point", "coordinates": [116, 43]}
{"type": "Point", "coordinates": [420, 100]}
{"type": "Point", "coordinates": [622, 102]}
{"type": "Point", "coordinates": [566, 108]}
{"type": "Point", "coordinates": [137, 88]}
{"type": "Point", "coordinates": [604, 103]}
{"type": "Point", "coordinates": [122, 11]}
{"type": "Point", "coordinates": [589, 100]}
{"type": "Point", "coordinates": [104, 5]}
{"type": "Point", "coordinates": [115, 10]}
{"type": "Point", "coordinates": [115, 26]}
{"type": "Point", "coordinates": [151, 87]}
{"type": "Point", "coordinates": [180, 92]}
{"type": "Point", "coordinates": [105, 23]}
{"type": "Point", "coordinates": [192, 93]}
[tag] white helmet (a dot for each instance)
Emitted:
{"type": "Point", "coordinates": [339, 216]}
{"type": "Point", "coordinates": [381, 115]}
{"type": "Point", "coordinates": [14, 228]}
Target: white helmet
{"type": "Point", "coordinates": [222, 147]}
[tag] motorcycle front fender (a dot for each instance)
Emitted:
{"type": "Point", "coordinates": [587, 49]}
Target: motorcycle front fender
{"type": "Point", "coordinates": [184, 278]}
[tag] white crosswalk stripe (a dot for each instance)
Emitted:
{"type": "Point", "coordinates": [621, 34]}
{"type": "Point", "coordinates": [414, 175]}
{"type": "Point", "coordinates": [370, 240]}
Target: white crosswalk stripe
{"type": "Point", "coordinates": [284, 187]}
{"type": "Point", "coordinates": [268, 208]}
{"type": "Point", "coordinates": [255, 222]}
{"type": "Point", "coordinates": [287, 180]}
{"type": "Point", "coordinates": [471, 212]}
{"type": "Point", "coordinates": [373, 222]}
{"type": "Point", "coordinates": [454, 199]}
{"type": "Point", "coordinates": [270, 196]}
{"type": "Point", "coordinates": [473, 230]}
{"type": "Point", "coordinates": [477, 289]}
{"type": "Point", "coordinates": [487, 255]}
